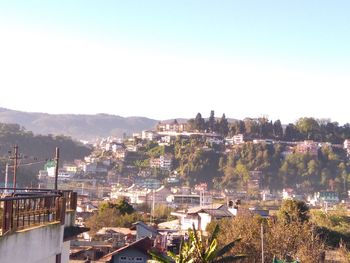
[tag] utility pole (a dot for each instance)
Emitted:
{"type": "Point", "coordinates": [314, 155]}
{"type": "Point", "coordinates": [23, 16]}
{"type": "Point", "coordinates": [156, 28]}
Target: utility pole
{"type": "Point", "coordinates": [152, 212]}
{"type": "Point", "coordinates": [15, 157]}
{"type": "Point", "coordinates": [6, 176]}
{"type": "Point", "coordinates": [262, 243]}
{"type": "Point", "coordinates": [57, 157]}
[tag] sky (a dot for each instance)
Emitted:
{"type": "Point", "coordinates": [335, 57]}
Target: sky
{"type": "Point", "coordinates": [172, 59]}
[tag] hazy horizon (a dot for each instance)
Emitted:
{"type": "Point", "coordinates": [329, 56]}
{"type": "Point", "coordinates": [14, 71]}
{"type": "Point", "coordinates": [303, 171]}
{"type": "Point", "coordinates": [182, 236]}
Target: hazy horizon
{"type": "Point", "coordinates": [204, 115]}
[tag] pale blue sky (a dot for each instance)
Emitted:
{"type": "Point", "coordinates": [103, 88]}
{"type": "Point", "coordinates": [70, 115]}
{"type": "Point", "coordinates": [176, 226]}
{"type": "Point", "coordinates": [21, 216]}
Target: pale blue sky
{"type": "Point", "coordinates": [167, 59]}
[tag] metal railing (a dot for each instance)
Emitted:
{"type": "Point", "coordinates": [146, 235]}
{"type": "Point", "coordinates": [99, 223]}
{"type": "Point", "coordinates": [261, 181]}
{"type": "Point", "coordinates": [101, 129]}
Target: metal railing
{"type": "Point", "coordinates": [71, 197]}
{"type": "Point", "coordinates": [31, 207]}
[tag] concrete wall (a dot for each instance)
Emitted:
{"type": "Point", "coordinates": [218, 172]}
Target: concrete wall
{"type": "Point", "coordinates": [65, 252]}
{"type": "Point", "coordinates": [188, 221]}
{"type": "Point", "coordinates": [205, 220]}
{"type": "Point", "coordinates": [35, 245]}
{"type": "Point", "coordinates": [69, 219]}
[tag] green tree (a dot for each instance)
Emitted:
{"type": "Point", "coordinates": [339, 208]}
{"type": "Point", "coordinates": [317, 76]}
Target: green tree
{"type": "Point", "coordinates": [242, 173]}
{"type": "Point", "coordinates": [281, 240]}
{"type": "Point", "coordinates": [199, 122]}
{"type": "Point", "coordinates": [211, 122]}
{"type": "Point", "coordinates": [121, 205]}
{"type": "Point", "coordinates": [291, 133]}
{"type": "Point", "coordinates": [293, 211]}
{"type": "Point", "coordinates": [277, 129]}
{"type": "Point", "coordinates": [223, 125]}
{"type": "Point", "coordinates": [309, 128]}
{"type": "Point", "coordinates": [113, 214]}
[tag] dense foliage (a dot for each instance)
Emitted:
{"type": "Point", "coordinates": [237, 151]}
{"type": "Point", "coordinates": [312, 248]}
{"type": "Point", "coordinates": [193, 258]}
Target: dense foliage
{"type": "Point", "coordinates": [34, 149]}
{"type": "Point", "coordinates": [281, 165]}
{"type": "Point", "coordinates": [198, 249]}
{"type": "Point", "coordinates": [252, 128]}
{"type": "Point", "coordinates": [289, 236]}
{"type": "Point", "coordinates": [329, 170]}
{"type": "Point", "coordinates": [118, 213]}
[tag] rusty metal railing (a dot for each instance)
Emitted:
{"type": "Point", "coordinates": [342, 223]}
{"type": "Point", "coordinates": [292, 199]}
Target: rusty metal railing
{"type": "Point", "coordinates": [33, 207]}
{"type": "Point", "coordinates": [71, 197]}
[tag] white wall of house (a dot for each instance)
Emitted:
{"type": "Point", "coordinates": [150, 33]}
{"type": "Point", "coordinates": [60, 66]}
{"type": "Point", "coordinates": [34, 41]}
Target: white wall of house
{"type": "Point", "coordinates": [187, 222]}
{"type": "Point", "coordinates": [205, 220]}
{"type": "Point", "coordinates": [65, 251]}
{"type": "Point", "coordinates": [36, 245]}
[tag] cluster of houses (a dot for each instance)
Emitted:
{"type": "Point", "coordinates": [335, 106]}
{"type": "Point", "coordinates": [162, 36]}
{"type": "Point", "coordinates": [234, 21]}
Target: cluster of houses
{"type": "Point", "coordinates": [118, 244]}
{"type": "Point", "coordinates": [197, 206]}
{"type": "Point", "coordinates": [97, 171]}
{"type": "Point", "coordinates": [194, 206]}
{"type": "Point", "coordinates": [124, 151]}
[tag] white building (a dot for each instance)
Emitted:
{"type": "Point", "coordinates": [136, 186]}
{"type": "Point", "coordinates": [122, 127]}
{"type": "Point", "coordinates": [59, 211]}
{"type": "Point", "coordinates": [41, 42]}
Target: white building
{"type": "Point", "coordinates": [148, 135]}
{"type": "Point", "coordinates": [324, 198]}
{"type": "Point", "coordinates": [189, 200]}
{"type": "Point", "coordinates": [307, 146]}
{"type": "Point", "coordinates": [238, 139]}
{"type": "Point", "coordinates": [201, 216]}
{"type": "Point", "coordinates": [165, 162]}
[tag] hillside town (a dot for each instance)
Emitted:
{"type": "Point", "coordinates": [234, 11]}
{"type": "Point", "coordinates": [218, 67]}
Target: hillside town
{"type": "Point", "coordinates": [134, 196]}
{"type": "Point", "coordinates": [122, 168]}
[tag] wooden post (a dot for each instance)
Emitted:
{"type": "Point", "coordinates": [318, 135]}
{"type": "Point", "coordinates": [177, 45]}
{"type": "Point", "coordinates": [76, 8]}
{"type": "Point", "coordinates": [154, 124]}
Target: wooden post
{"type": "Point", "coordinates": [57, 156]}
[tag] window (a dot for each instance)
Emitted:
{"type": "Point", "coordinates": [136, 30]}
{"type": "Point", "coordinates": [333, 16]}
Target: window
{"type": "Point", "coordinates": [123, 259]}
{"type": "Point", "coordinates": [138, 259]}
{"type": "Point", "coordinates": [58, 258]}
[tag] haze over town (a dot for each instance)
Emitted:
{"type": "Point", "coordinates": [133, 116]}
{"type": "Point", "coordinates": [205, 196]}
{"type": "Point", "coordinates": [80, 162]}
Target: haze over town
{"type": "Point", "coordinates": [191, 131]}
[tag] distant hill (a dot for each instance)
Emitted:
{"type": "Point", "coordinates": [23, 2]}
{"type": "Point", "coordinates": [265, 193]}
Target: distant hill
{"type": "Point", "coordinates": [84, 127]}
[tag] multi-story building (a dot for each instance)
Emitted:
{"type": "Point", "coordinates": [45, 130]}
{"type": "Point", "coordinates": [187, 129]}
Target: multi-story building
{"type": "Point", "coordinates": [70, 167]}
{"type": "Point", "coordinates": [149, 135]}
{"type": "Point", "coordinates": [172, 127]}
{"type": "Point", "coordinates": [120, 154]}
{"type": "Point", "coordinates": [238, 139]}
{"type": "Point", "coordinates": [165, 162]}
{"type": "Point", "coordinates": [307, 146]}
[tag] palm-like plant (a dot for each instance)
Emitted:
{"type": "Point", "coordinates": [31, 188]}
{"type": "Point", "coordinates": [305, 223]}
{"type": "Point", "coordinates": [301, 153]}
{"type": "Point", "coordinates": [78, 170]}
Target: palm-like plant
{"type": "Point", "coordinates": [198, 250]}
{"type": "Point", "coordinates": [207, 251]}
{"type": "Point", "coordinates": [185, 255]}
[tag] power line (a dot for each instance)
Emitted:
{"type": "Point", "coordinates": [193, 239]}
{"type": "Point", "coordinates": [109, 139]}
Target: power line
{"type": "Point", "coordinates": [27, 164]}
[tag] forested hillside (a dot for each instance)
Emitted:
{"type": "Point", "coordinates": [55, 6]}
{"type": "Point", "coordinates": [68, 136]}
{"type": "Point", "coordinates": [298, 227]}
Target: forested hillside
{"type": "Point", "coordinates": [280, 166]}
{"type": "Point", "coordinates": [280, 163]}
{"type": "Point", "coordinates": [305, 128]}
{"type": "Point", "coordinates": [34, 149]}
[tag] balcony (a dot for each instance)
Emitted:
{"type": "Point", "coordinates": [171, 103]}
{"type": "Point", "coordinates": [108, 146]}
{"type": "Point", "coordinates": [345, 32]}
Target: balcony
{"type": "Point", "coordinates": [28, 208]}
